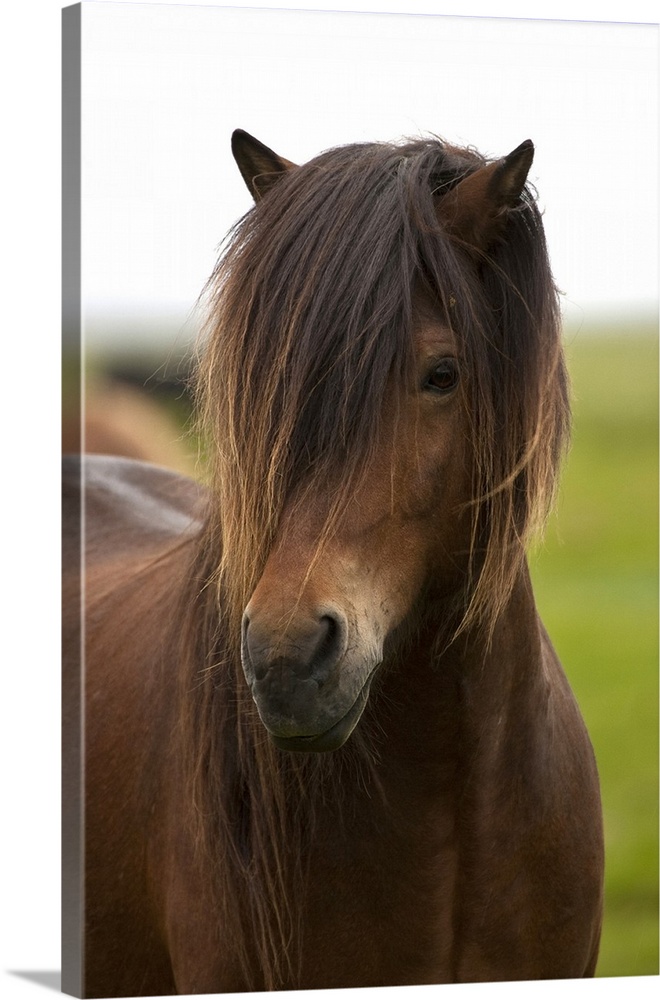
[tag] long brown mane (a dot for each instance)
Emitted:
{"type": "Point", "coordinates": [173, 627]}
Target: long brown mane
{"type": "Point", "coordinates": [311, 309]}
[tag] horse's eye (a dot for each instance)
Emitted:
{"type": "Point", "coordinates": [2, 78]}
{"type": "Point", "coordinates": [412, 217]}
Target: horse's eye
{"type": "Point", "coordinates": [444, 377]}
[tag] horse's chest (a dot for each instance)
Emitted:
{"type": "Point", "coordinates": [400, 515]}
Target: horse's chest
{"type": "Point", "coordinates": [380, 911]}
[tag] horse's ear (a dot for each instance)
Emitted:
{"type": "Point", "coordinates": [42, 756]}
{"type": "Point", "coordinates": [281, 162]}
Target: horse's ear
{"type": "Point", "coordinates": [260, 167]}
{"type": "Point", "coordinates": [476, 209]}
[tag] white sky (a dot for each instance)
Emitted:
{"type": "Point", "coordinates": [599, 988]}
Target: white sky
{"type": "Point", "coordinates": [164, 86]}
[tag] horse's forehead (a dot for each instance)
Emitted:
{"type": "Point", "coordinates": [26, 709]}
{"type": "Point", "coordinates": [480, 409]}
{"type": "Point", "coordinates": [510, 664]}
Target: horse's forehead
{"type": "Point", "coordinates": [431, 331]}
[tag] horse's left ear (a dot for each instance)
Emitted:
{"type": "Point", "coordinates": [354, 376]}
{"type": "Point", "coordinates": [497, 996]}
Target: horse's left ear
{"type": "Point", "coordinates": [476, 209]}
{"type": "Point", "coordinates": [260, 167]}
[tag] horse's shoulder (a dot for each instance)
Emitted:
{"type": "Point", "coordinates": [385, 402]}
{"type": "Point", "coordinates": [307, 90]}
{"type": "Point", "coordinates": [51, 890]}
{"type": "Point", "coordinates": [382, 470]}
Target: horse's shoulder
{"type": "Point", "coordinates": [127, 503]}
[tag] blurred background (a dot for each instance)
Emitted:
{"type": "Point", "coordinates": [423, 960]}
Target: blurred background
{"type": "Point", "coordinates": [163, 88]}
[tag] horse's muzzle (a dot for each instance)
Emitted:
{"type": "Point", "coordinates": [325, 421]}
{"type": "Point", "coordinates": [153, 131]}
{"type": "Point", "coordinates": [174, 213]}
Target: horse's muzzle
{"type": "Point", "coordinates": [309, 693]}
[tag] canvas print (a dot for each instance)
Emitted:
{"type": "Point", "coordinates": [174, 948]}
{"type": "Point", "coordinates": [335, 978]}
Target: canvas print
{"type": "Point", "coordinates": [333, 716]}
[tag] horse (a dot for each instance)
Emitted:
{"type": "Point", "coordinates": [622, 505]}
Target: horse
{"type": "Point", "coordinates": [124, 419]}
{"type": "Point", "coordinates": [326, 739]}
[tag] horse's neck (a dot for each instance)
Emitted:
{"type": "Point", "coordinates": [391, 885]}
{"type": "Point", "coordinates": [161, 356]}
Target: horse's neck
{"type": "Point", "coordinates": [448, 712]}
{"type": "Point", "coordinates": [502, 676]}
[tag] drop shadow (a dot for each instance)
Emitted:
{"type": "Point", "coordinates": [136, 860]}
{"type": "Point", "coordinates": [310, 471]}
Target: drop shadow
{"type": "Point", "coordinates": [49, 980]}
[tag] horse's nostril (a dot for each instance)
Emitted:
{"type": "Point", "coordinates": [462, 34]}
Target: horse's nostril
{"type": "Point", "coordinates": [308, 647]}
{"type": "Point", "coordinates": [329, 645]}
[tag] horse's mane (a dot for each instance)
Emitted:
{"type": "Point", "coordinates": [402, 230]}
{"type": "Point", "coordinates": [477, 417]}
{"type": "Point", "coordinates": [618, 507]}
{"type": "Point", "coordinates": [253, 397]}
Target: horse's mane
{"type": "Point", "coordinates": [310, 313]}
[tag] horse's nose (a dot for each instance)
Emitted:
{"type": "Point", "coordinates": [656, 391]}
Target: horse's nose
{"type": "Point", "coordinates": [305, 647]}
{"type": "Point", "coordinates": [307, 683]}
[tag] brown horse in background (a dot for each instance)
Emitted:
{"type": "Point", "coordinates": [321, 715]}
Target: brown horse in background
{"type": "Point", "coordinates": [327, 742]}
{"type": "Point", "coordinates": [124, 419]}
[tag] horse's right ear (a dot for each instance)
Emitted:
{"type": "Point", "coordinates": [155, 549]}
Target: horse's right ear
{"type": "Point", "coordinates": [260, 167]}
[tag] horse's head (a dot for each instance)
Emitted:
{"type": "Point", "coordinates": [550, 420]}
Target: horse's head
{"type": "Point", "coordinates": [378, 461]}
{"type": "Point", "coordinates": [315, 626]}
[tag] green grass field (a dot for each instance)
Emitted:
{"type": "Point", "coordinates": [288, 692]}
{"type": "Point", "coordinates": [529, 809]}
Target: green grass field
{"type": "Point", "coordinates": [596, 581]}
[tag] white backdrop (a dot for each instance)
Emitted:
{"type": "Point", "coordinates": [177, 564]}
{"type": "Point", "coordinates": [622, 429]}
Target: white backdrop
{"type": "Point", "coordinates": [30, 712]}
{"type": "Point", "coordinates": [164, 86]}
